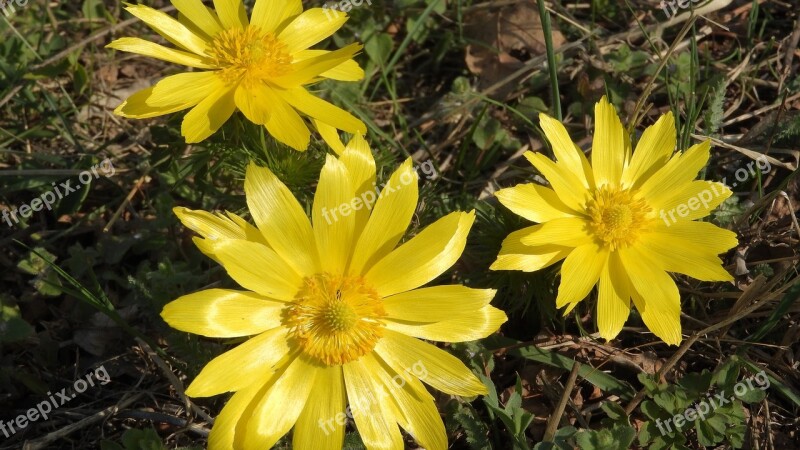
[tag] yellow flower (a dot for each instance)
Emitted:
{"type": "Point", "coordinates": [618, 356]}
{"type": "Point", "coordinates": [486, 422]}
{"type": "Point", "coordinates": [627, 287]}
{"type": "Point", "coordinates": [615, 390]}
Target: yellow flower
{"type": "Point", "coordinates": [620, 223]}
{"type": "Point", "coordinates": [259, 66]}
{"type": "Point", "coordinates": [336, 311]}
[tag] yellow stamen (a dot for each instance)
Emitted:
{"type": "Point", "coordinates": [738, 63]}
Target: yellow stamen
{"type": "Point", "coordinates": [249, 55]}
{"type": "Point", "coordinates": [617, 216]}
{"type": "Point", "coordinates": [335, 319]}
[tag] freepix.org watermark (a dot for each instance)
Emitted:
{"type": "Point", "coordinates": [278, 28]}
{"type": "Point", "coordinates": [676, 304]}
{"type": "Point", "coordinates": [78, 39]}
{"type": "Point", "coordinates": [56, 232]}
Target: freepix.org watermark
{"type": "Point", "coordinates": [675, 5]}
{"type": "Point", "coordinates": [711, 403]}
{"type": "Point", "coordinates": [7, 6]}
{"type": "Point", "coordinates": [54, 401]}
{"type": "Point", "coordinates": [343, 6]}
{"type": "Point", "coordinates": [47, 199]}
{"type": "Point", "coordinates": [706, 196]}
{"type": "Point", "coordinates": [368, 198]}
{"type": "Point", "coordinates": [417, 370]}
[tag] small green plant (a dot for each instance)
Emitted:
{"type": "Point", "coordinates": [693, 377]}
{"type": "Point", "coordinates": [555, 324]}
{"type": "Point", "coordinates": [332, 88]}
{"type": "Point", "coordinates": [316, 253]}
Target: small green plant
{"type": "Point", "coordinates": [707, 406]}
{"type": "Point", "coordinates": [134, 439]}
{"type": "Point", "coordinates": [512, 414]}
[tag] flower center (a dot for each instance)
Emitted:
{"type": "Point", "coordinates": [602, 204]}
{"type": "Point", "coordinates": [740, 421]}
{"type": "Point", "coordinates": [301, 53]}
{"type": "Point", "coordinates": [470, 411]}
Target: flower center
{"type": "Point", "coordinates": [617, 216]}
{"type": "Point", "coordinates": [249, 55]}
{"type": "Point", "coordinates": [335, 319]}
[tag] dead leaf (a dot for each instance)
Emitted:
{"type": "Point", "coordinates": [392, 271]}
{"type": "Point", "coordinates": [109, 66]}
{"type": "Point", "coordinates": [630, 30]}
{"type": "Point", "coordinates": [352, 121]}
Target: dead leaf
{"type": "Point", "coordinates": [504, 39]}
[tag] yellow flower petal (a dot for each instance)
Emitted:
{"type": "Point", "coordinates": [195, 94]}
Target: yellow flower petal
{"type": "Point", "coordinates": [442, 371]}
{"type": "Point", "coordinates": [169, 28]}
{"type": "Point", "coordinates": [334, 233]}
{"type": "Point", "coordinates": [173, 93]}
{"type": "Point", "coordinates": [136, 106]}
{"type": "Point", "coordinates": [217, 226]}
{"type": "Point", "coordinates": [436, 303]}
{"type": "Point", "coordinates": [674, 253]}
{"type": "Point", "coordinates": [461, 328]}
{"type": "Point", "coordinates": [187, 88]}
{"type": "Point", "coordinates": [236, 369]}
{"type": "Point", "coordinates": [210, 114]}
{"type": "Point", "coordinates": [423, 258]}
{"type": "Point", "coordinates": [567, 232]}
{"type": "Point", "coordinates": [257, 268]}
{"type": "Point", "coordinates": [196, 12]}
{"type": "Point", "coordinates": [514, 255]}
{"type": "Point", "coordinates": [323, 111]}
{"type": "Point", "coordinates": [389, 219]}
{"type": "Point", "coordinates": [285, 124]}
{"type": "Point", "coordinates": [697, 199]}
{"type": "Point", "coordinates": [613, 298]}
{"type": "Point", "coordinates": [533, 202]}
{"type": "Point", "coordinates": [374, 418]}
{"type": "Point", "coordinates": [193, 28]}
{"type": "Point", "coordinates": [357, 157]}
{"type": "Point", "coordinates": [320, 425]}
{"type": "Point", "coordinates": [281, 219]}
{"type": "Point", "coordinates": [223, 434]}
{"type": "Point", "coordinates": [279, 408]}
{"type": "Point", "coordinates": [330, 135]}
{"type": "Point", "coordinates": [223, 313]}
{"type": "Point", "coordinates": [416, 410]}
{"type": "Point", "coordinates": [569, 188]}
{"type": "Point", "coordinates": [346, 71]}
{"type": "Point", "coordinates": [153, 50]}
{"type": "Point", "coordinates": [309, 69]}
{"type": "Point", "coordinates": [208, 225]}
{"type": "Point", "coordinates": [678, 171]}
{"type": "Point", "coordinates": [231, 13]}
{"type": "Point", "coordinates": [311, 27]}
{"type": "Point", "coordinates": [270, 14]}
{"type": "Point", "coordinates": [608, 145]}
{"type": "Point", "coordinates": [655, 295]}
{"type": "Point", "coordinates": [566, 152]}
{"type": "Point", "coordinates": [652, 151]}
{"type": "Point", "coordinates": [698, 237]}
{"type": "Point", "coordinates": [580, 272]}
{"type": "Point", "coordinates": [252, 101]}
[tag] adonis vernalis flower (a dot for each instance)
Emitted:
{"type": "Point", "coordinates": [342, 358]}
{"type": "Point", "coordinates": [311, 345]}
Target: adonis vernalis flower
{"type": "Point", "coordinates": [620, 223]}
{"type": "Point", "coordinates": [259, 66]}
{"type": "Point", "coordinates": [336, 312]}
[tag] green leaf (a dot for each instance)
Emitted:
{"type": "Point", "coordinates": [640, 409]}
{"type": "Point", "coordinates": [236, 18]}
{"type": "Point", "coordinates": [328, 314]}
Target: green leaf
{"type": "Point", "coordinates": [696, 383]}
{"type": "Point", "coordinates": [718, 423]}
{"type": "Point", "coordinates": [649, 382]}
{"type": "Point", "coordinates": [707, 436]}
{"type": "Point", "coordinates": [726, 374]}
{"type": "Point", "coordinates": [614, 411]}
{"type": "Point", "coordinates": [532, 106]}
{"type": "Point", "coordinates": [488, 132]}
{"type": "Point", "coordinates": [108, 445]}
{"type": "Point", "coordinates": [475, 429]}
{"type": "Point", "coordinates": [602, 380]}
{"type": "Point", "coordinates": [34, 264]}
{"type": "Point", "coordinates": [595, 440]}
{"type": "Point", "coordinates": [667, 401]}
{"type": "Point", "coordinates": [653, 411]}
{"type": "Point", "coordinates": [750, 396]}
{"type": "Point", "coordinates": [12, 326]}
{"type": "Point", "coordinates": [736, 434]}
{"type": "Point", "coordinates": [379, 48]}
{"type": "Point", "coordinates": [93, 9]}
{"type": "Point", "coordinates": [148, 439]}
{"type": "Point", "coordinates": [647, 431]}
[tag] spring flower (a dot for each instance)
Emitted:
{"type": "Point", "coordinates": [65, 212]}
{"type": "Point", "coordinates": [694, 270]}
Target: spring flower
{"type": "Point", "coordinates": [260, 66]}
{"type": "Point", "coordinates": [335, 310]}
{"type": "Point", "coordinates": [621, 223]}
